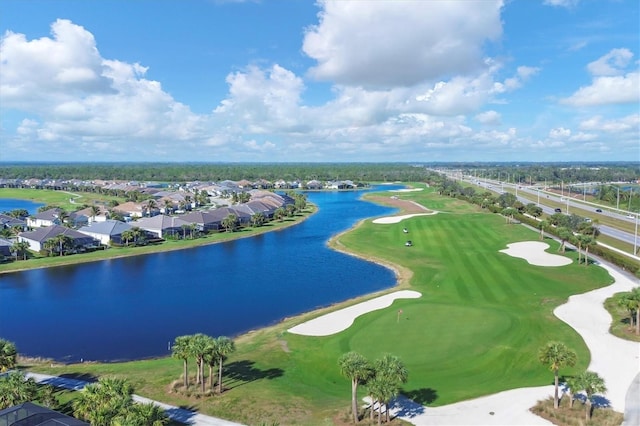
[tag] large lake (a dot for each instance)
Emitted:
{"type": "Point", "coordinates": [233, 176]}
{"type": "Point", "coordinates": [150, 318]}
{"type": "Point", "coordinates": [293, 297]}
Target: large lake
{"type": "Point", "coordinates": [132, 308]}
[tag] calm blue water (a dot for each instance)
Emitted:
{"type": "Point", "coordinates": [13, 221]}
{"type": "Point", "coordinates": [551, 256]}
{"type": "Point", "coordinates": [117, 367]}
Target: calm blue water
{"type": "Point", "coordinates": [8, 204]}
{"type": "Point", "coordinates": [131, 308]}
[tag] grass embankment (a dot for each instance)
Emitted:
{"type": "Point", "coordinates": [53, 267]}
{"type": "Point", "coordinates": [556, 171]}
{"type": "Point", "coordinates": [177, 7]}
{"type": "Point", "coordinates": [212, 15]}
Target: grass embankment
{"type": "Point", "coordinates": [41, 261]}
{"type": "Point", "coordinates": [475, 331]}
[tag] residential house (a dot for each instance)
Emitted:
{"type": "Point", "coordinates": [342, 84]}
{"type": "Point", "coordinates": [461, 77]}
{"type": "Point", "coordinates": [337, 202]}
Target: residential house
{"type": "Point", "coordinates": [162, 225]}
{"type": "Point", "coordinates": [37, 238]}
{"type": "Point", "coordinates": [205, 221]}
{"type": "Point", "coordinates": [46, 218]}
{"type": "Point", "coordinates": [5, 248]}
{"type": "Point", "coordinates": [8, 222]}
{"type": "Point", "coordinates": [106, 231]}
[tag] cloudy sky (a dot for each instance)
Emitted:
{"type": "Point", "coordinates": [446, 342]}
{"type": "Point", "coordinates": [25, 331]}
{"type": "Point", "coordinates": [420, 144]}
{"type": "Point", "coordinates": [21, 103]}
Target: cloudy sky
{"type": "Point", "coordinates": [289, 80]}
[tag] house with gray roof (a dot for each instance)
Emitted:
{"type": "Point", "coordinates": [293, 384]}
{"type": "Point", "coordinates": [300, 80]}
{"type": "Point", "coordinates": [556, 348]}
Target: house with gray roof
{"type": "Point", "coordinates": [8, 222]}
{"type": "Point", "coordinates": [5, 248]}
{"type": "Point", "coordinates": [205, 221]}
{"type": "Point", "coordinates": [37, 238]}
{"type": "Point", "coordinates": [107, 231]}
{"type": "Point", "coordinates": [45, 218]}
{"type": "Point", "coordinates": [163, 226]}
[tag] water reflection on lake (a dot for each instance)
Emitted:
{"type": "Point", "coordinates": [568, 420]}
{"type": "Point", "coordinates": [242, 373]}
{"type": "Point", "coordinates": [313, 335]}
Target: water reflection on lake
{"type": "Point", "coordinates": [131, 308]}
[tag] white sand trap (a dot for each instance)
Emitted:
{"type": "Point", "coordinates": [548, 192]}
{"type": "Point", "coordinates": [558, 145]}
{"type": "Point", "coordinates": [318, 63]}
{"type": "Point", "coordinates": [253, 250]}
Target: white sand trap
{"type": "Point", "coordinates": [534, 253]}
{"type": "Point", "coordinates": [406, 190]}
{"type": "Point", "coordinates": [342, 319]}
{"type": "Point", "coordinates": [396, 219]}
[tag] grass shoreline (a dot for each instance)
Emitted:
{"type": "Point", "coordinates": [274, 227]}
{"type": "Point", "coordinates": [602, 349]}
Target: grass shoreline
{"type": "Point", "coordinates": [166, 246]}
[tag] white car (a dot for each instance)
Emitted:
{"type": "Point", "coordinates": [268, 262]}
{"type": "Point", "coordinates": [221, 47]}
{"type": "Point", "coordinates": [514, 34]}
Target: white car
{"type": "Point", "coordinates": [630, 216]}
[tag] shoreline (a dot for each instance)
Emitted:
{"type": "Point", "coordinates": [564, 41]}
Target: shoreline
{"type": "Point", "coordinates": [164, 247]}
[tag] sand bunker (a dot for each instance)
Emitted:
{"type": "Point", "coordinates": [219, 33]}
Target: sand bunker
{"type": "Point", "coordinates": [534, 253]}
{"type": "Point", "coordinates": [395, 219]}
{"type": "Point", "coordinates": [406, 190]}
{"type": "Point", "coordinates": [342, 319]}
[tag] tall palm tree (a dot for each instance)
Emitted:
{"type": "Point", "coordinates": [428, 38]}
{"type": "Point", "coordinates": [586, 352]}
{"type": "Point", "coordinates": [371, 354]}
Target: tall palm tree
{"type": "Point", "coordinates": [181, 349]}
{"type": "Point", "coordinates": [127, 236]}
{"type": "Point", "coordinates": [8, 355]}
{"type": "Point", "coordinates": [223, 347]}
{"type": "Point", "coordinates": [95, 211]}
{"type": "Point", "coordinates": [357, 368]}
{"type": "Point", "coordinates": [257, 219]}
{"type": "Point", "coordinates": [230, 222]}
{"type": "Point", "coordinates": [626, 301]}
{"type": "Point", "coordinates": [543, 225]}
{"type": "Point", "coordinates": [564, 234]}
{"type": "Point", "coordinates": [592, 384]}
{"type": "Point", "coordinates": [635, 296]}
{"type": "Point", "coordinates": [20, 247]}
{"type": "Point", "coordinates": [587, 241]}
{"type": "Point", "coordinates": [391, 370]}
{"type": "Point", "coordinates": [200, 344]}
{"type": "Point", "coordinates": [556, 355]}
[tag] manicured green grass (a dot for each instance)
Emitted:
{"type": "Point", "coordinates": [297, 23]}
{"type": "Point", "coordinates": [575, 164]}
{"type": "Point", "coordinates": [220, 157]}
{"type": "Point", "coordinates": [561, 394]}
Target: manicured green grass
{"type": "Point", "coordinates": [57, 198]}
{"type": "Point", "coordinates": [476, 330]}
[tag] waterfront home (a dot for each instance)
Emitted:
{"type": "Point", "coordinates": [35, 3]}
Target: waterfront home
{"type": "Point", "coordinates": [163, 226]}
{"type": "Point", "coordinates": [45, 218]}
{"type": "Point", "coordinates": [205, 221]}
{"type": "Point", "coordinates": [107, 231]}
{"type": "Point", "coordinates": [37, 238]}
{"type": "Point", "coordinates": [5, 248]}
{"type": "Point", "coordinates": [8, 222]}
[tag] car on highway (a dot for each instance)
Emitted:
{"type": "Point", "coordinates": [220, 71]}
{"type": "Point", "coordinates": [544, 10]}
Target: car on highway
{"type": "Point", "coordinates": [558, 210]}
{"type": "Point", "coordinates": [598, 210]}
{"type": "Point", "coordinates": [630, 216]}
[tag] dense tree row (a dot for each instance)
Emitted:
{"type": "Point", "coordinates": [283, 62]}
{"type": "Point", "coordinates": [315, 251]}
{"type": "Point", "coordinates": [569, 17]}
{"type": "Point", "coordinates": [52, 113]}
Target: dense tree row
{"type": "Point", "coordinates": [186, 172]}
{"type": "Point", "coordinates": [552, 173]}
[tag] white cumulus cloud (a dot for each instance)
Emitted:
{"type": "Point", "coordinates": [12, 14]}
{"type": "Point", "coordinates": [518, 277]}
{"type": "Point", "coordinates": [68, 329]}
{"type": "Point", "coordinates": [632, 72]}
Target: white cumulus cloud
{"type": "Point", "coordinates": [397, 43]}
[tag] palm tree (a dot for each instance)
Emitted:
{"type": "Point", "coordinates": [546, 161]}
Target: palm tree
{"type": "Point", "coordinates": [257, 219]}
{"type": "Point", "coordinates": [626, 301]}
{"type": "Point", "coordinates": [223, 347]}
{"type": "Point", "coordinates": [279, 213]}
{"type": "Point", "coordinates": [60, 241]}
{"type": "Point", "coordinates": [592, 384]}
{"type": "Point", "coordinates": [16, 389]}
{"type": "Point", "coordinates": [230, 222]}
{"type": "Point", "coordinates": [635, 296]}
{"type": "Point", "coordinates": [168, 206]}
{"type": "Point", "coordinates": [543, 225]}
{"type": "Point", "coordinates": [99, 403]}
{"type": "Point", "coordinates": [556, 355]}
{"type": "Point", "coordinates": [199, 346]}
{"type": "Point", "coordinates": [8, 355]}
{"type": "Point", "coordinates": [564, 234]}
{"type": "Point", "coordinates": [382, 390]}
{"type": "Point", "coordinates": [141, 414]}
{"type": "Point", "coordinates": [151, 205]}
{"type": "Point", "coordinates": [181, 349]}
{"type": "Point", "coordinates": [587, 241]}
{"type": "Point", "coordinates": [391, 372]}
{"type": "Point", "coordinates": [20, 247]}
{"type": "Point", "coordinates": [127, 236]}
{"type": "Point", "coordinates": [358, 369]}
{"type": "Point", "coordinates": [95, 211]}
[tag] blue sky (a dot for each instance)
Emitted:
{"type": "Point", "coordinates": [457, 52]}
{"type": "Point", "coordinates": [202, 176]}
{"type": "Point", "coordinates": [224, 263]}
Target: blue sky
{"type": "Point", "coordinates": [303, 81]}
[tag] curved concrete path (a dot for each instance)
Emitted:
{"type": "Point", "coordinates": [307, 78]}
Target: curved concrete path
{"type": "Point", "coordinates": [178, 414]}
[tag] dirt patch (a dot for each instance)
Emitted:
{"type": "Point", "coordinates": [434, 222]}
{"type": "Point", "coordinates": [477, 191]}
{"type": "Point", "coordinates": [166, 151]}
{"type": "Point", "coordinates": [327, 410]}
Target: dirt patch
{"type": "Point", "coordinates": [405, 205]}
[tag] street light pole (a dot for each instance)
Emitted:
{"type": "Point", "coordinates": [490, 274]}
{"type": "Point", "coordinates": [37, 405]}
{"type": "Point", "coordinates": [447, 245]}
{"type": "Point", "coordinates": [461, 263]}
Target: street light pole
{"type": "Point", "coordinates": [635, 238]}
